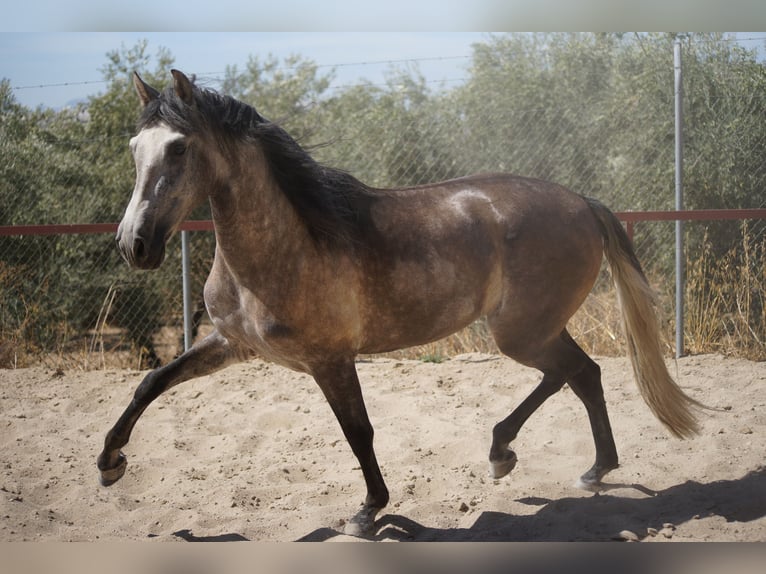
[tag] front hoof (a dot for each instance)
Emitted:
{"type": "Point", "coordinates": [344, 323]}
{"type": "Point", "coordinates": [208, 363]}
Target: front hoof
{"type": "Point", "coordinates": [590, 485]}
{"type": "Point", "coordinates": [111, 475]}
{"type": "Point", "coordinates": [362, 524]}
{"type": "Point", "coordinates": [499, 468]}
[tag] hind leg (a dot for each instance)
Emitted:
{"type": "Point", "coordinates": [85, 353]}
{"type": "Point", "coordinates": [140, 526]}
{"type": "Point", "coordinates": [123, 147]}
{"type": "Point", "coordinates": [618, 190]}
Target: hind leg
{"type": "Point", "coordinates": [587, 386]}
{"type": "Point", "coordinates": [557, 360]}
{"type": "Point", "coordinates": [501, 458]}
{"type": "Point", "coordinates": [562, 360]}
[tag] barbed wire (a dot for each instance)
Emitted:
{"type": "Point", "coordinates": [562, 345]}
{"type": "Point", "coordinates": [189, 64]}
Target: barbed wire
{"type": "Point", "coordinates": [218, 75]}
{"type": "Point", "coordinates": [59, 84]}
{"type": "Point", "coordinates": [730, 39]}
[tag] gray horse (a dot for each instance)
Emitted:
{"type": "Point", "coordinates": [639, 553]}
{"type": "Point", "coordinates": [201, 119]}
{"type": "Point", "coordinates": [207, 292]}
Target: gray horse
{"type": "Point", "coordinates": [313, 268]}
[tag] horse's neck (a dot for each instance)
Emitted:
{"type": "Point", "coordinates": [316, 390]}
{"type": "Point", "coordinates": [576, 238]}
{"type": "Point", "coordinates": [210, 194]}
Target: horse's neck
{"type": "Point", "coordinates": [258, 232]}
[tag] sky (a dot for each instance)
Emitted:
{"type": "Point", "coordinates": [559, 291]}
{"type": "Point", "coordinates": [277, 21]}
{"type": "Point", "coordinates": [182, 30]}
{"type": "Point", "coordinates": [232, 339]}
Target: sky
{"type": "Point", "coordinates": [377, 15]}
{"type": "Point", "coordinates": [55, 69]}
{"type": "Point", "coordinates": [62, 46]}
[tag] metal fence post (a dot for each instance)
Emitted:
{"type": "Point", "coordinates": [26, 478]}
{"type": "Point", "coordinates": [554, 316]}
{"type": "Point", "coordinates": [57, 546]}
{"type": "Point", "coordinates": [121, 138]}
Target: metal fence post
{"type": "Point", "coordinates": [679, 198]}
{"type": "Point", "coordinates": [186, 285]}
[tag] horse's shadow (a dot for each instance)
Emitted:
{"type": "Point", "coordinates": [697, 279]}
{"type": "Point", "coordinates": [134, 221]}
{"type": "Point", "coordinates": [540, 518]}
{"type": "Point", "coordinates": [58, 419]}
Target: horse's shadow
{"type": "Point", "coordinates": [595, 518]}
{"type": "Point", "coordinates": [187, 535]}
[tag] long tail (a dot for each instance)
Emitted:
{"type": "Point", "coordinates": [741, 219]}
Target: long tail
{"type": "Point", "coordinates": [642, 330]}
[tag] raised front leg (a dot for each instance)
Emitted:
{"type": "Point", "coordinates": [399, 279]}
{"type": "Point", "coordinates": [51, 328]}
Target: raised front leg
{"type": "Point", "coordinates": [340, 384]}
{"type": "Point", "coordinates": [209, 355]}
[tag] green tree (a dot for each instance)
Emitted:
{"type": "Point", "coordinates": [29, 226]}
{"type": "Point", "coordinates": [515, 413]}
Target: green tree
{"type": "Point", "coordinates": [724, 123]}
{"type": "Point", "coordinates": [284, 91]}
{"type": "Point", "coordinates": [397, 134]}
{"type": "Point", "coordinates": [536, 105]}
{"type": "Point", "coordinates": [38, 174]}
{"type": "Point", "coordinates": [72, 166]}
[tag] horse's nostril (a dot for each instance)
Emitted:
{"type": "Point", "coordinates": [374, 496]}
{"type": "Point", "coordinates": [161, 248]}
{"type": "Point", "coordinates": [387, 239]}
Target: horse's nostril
{"type": "Point", "coordinates": [139, 249]}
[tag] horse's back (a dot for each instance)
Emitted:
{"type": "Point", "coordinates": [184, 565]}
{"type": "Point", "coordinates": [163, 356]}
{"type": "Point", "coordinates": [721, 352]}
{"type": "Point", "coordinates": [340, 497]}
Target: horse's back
{"type": "Point", "coordinates": [510, 219]}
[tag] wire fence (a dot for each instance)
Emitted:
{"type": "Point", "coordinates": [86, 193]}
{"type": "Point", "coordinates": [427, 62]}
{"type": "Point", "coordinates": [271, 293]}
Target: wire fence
{"type": "Point", "coordinates": [68, 299]}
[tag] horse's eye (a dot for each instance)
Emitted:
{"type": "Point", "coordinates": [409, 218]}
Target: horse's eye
{"type": "Point", "coordinates": [178, 148]}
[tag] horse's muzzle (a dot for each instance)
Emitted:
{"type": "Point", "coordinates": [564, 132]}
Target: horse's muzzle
{"type": "Point", "coordinates": [140, 253]}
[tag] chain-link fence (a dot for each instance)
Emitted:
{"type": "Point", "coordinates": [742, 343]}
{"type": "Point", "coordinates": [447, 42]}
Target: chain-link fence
{"type": "Point", "coordinates": [68, 298]}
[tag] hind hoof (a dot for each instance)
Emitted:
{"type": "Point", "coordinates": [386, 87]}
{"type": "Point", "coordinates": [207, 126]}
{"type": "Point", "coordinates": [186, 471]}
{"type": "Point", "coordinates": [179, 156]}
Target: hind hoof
{"type": "Point", "coordinates": [111, 475]}
{"type": "Point", "coordinates": [591, 480]}
{"type": "Point", "coordinates": [500, 468]}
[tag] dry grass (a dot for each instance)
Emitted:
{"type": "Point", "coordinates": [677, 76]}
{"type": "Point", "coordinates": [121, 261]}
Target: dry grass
{"type": "Point", "coordinates": [725, 300]}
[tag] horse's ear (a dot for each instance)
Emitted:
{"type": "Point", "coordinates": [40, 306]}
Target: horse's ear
{"type": "Point", "coordinates": [183, 87]}
{"type": "Point", "coordinates": [145, 92]}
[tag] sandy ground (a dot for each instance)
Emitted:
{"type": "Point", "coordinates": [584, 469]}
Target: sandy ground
{"type": "Point", "coordinates": [254, 453]}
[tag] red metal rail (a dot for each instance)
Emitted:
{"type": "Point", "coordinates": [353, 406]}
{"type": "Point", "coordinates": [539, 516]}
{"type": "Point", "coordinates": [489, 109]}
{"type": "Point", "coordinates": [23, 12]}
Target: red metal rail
{"type": "Point", "coordinates": [691, 215]}
{"type": "Point", "coordinates": [84, 228]}
{"type": "Point", "coordinates": [632, 217]}
{"type": "Point", "coordinates": [629, 217]}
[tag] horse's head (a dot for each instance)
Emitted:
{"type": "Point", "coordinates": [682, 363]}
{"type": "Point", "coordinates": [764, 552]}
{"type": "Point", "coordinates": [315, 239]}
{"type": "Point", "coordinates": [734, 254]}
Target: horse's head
{"type": "Point", "coordinates": [171, 174]}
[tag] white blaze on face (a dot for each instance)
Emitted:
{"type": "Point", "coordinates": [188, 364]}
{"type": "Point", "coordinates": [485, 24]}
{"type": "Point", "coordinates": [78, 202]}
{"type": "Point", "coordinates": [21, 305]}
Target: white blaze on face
{"type": "Point", "coordinates": [150, 149]}
{"type": "Point", "coordinates": [149, 153]}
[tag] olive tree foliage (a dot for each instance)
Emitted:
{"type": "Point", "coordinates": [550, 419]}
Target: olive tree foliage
{"type": "Point", "coordinates": [724, 130]}
{"type": "Point", "coordinates": [725, 125]}
{"type": "Point", "coordinates": [391, 135]}
{"type": "Point", "coordinates": [40, 172]}
{"type": "Point", "coordinates": [596, 111]}
{"type": "Point", "coordinates": [286, 92]}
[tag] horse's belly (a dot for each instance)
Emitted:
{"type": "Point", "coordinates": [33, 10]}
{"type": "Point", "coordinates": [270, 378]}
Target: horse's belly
{"type": "Point", "coordinates": [420, 301]}
{"type": "Point", "coordinates": [408, 321]}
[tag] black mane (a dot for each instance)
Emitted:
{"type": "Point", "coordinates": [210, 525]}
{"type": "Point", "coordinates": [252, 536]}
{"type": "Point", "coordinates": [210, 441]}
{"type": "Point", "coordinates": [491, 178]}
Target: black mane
{"type": "Point", "coordinates": [332, 203]}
